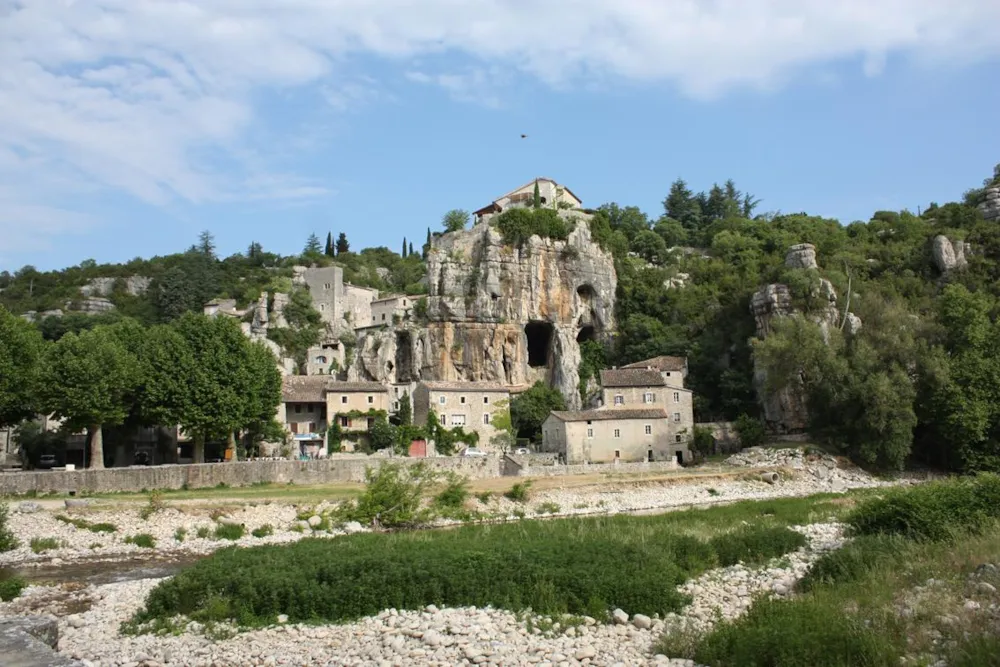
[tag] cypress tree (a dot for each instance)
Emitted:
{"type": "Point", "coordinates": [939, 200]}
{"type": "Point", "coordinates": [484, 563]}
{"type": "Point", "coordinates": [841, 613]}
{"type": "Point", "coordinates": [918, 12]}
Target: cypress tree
{"type": "Point", "coordinates": [404, 248]}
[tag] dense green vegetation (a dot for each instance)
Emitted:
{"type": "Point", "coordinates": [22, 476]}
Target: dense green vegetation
{"type": "Point", "coordinates": [7, 540]}
{"type": "Point", "coordinates": [558, 566]}
{"type": "Point", "coordinates": [10, 586]}
{"type": "Point", "coordinates": [852, 607]}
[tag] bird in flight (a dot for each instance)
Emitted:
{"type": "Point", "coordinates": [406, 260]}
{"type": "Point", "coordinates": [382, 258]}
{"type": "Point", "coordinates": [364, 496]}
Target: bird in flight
{"type": "Point", "coordinates": [524, 136]}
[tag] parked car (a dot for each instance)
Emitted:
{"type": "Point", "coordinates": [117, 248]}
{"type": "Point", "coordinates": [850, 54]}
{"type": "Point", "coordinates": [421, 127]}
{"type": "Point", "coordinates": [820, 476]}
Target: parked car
{"type": "Point", "coordinates": [472, 451]}
{"type": "Point", "coordinates": [47, 461]}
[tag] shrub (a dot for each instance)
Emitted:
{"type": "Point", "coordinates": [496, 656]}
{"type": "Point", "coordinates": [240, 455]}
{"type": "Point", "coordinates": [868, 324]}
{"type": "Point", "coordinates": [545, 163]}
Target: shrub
{"type": "Point", "coordinates": [203, 532]}
{"type": "Point", "coordinates": [11, 587]}
{"type": "Point", "coordinates": [519, 492]}
{"type": "Point", "coordinates": [702, 441]}
{"type": "Point", "coordinates": [454, 495]}
{"type": "Point", "coordinates": [102, 528]}
{"type": "Point", "coordinates": [230, 531]}
{"type": "Point", "coordinates": [144, 540]}
{"type": "Point", "coordinates": [392, 497]}
{"type": "Point", "coordinates": [180, 534]}
{"type": "Point", "coordinates": [517, 225]}
{"type": "Point", "coordinates": [795, 633]}
{"type": "Point", "coordinates": [83, 524]}
{"type": "Point", "coordinates": [43, 544]}
{"type": "Point", "coordinates": [548, 508]}
{"type": "Point", "coordinates": [852, 562]}
{"type": "Point", "coordinates": [750, 430]}
{"type": "Point", "coordinates": [263, 531]}
{"type": "Point", "coordinates": [153, 505]}
{"type": "Point", "coordinates": [751, 544]}
{"type": "Point", "coordinates": [7, 540]}
{"type": "Point", "coordinates": [933, 511]}
{"type": "Point", "coordinates": [484, 497]}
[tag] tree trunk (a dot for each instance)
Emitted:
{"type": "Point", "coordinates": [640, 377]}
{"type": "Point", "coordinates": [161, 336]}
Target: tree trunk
{"type": "Point", "coordinates": [231, 446]}
{"type": "Point", "coordinates": [96, 447]}
{"type": "Point", "coordinates": [199, 448]}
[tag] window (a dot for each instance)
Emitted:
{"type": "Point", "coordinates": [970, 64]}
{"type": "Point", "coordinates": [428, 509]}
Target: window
{"type": "Point", "coordinates": [395, 405]}
{"type": "Point", "coordinates": [371, 399]}
{"type": "Point", "coordinates": [668, 373]}
{"type": "Point", "coordinates": [327, 286]}
{"type": "Point", "coordinates": [648, 397]}
{"type": "Point", "coordinates": [458, 420]}
{"type": "Point", "coordinates": [649, 429]}
{"type": "Point", "coordinates": [677, 438]}
{"type": "Point", "coordinates": [677, 417]}
{"type": "Point", "coordinates": [619, 400]}
{"type": "Point", "coordinates": [383, 317]}
{"type": "Point", "coordinates": [312, 427]}
{"type": "Point", "coordinates": [618, 433]}
{"type": "Point", "coordinates": [345, 421]}
{"type": "Point", "coordinates": [677, 397]}
{"type": "Point", "coordinates": [371, 422]}
{"type": "Point", "coordinates": [298, 408]}
{"type": "Point", "coordinates": [442, 419]}
{"type": "Point", "coordinates": [486, 418]}
{"type": "Point", "coordinates": [618, 454]}
{"type": "Point", "coordinates": [590, 433]}
{"type": "Point", "coordinates": [343, 399]}
{"type": "Point", "coordinates": [486, 400]}
{"type": "Point", "coordinates": [441, 400]}
{"type": "Point", "coordinates": [294, 426]}
{"type": "Point", "coordinates": [462, 400]}
{"type": "Point", "coordinates": [322, 306]}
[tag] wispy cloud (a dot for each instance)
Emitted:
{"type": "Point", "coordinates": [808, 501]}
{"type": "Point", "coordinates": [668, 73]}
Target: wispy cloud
{"type": "Point", "coordinates": [151, 98]}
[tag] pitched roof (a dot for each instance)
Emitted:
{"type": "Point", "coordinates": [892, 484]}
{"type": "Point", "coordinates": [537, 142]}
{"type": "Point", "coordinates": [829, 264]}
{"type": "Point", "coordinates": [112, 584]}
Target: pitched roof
{"type": "Point", "coordinates": [347, 387]}
{"type": "Point", "coordinates": [465, 386]}
{"type": "Point", "coordinates": [631, 377]}
{"type": "Point", "coordinates": [609, 415]}
{"type": "Point", "coordinates": [536, 180]}
{"type": "Point", "coordinates": [663, 363]}
{"type": "Point", "coordinates": [304, 388]}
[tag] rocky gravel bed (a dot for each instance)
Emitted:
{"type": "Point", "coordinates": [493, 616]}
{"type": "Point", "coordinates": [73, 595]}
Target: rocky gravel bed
{"type": "Point", "coordinates": [427, 637]}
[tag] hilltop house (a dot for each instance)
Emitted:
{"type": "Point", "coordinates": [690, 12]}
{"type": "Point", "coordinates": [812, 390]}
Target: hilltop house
{"type": "Point", "coordinates": [472, 405]}
{"type": "Point", "coordinates": [641, 418]}
{"type": "Point", "coordinates": [552, 195]}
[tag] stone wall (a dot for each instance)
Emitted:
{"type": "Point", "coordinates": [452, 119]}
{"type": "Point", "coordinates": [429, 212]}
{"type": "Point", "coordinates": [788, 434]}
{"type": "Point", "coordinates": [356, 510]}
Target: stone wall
{"type": "Point", "coordinates": [243, 473]}
{"type": "Point", "coordinates": [597, 469]}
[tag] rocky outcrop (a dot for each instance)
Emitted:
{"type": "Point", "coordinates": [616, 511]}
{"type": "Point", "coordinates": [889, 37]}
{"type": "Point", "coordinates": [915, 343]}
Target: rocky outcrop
{"type": "Point", "coordinates": [102, 287]}
{"type": "Point", "coordinates": [278, 320]}
{"type": "Point", "coordinates": [95, 305]}
{"type": "Point", "coordinates": [786, 410]}
{"type": "Point", "coordinates": [948, 255]}
{"type": "Point", "coordinates": [497, 313]}
{"type": "Point", "coordinates": [990, 206]}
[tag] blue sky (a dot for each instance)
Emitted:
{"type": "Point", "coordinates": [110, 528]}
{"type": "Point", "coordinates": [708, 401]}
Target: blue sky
{"type": "Point", "coordinates": [127, 127]}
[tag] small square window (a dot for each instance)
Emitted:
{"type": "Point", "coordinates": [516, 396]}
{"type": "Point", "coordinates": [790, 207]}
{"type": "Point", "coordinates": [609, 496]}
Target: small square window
{"type": "Point", "coordinates": [371, 399]}
{"type": "Point", "coordinates": [383, 317]}
{"type": "Point", "coordinates": [590, 433]}
{"type": "Point", "coordinates": [298, 408]}
{"type": "Point", "coordinates": [618, 433]}
{"type": "Point", "coordinates": [345, 421]}
{"type": "Point", "coordinates": [486, 418]}
{"type": "Point", "coordinates": [618, 454]}
{"type": "Point", "coordinates": [649, 429]}
{"type": "Point", "coordinates": [668, 373]}
{"type": "Point", "coordinates": [619, 400]}
{"type": "Point", "coordinates": [648, 397]}
{"type": "Point", "coordinates": [462, 400]}
{"type": "Point", "coordinates": [343, 399]}
{"type": "Point", "coordinates": [677, 417]}
{"type": "Point", "coordinates": [677, 397]}
{"type": "Point", "coordinates": [677, 438]}
{"type": "Point", "coordinates": [486, 400]}
{"type": "Point", "coordinates": [441, 400]}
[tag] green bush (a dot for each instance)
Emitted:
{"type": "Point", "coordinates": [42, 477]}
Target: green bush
{"type": "Point", "coordinates": [263, 531]}
{"type": "Point", "coordinates": [702, 441]}
{"type": "Point", "coordinates": [144, 540]}
{"type": "Point", "coordinates": [519, 492]}
{"type": "Point", "coordinates": [7, 540]}
{"type": "Point", "coordinates": [933, 511]}
{"type": "Point", "coordinates": [548, 507]}
{"type": "Point", "coordinates": [43, 544]}
{"type": "Point", "coordinates": [558, 566]}
{"type": "Point", "coordinates": [180, 534]}
{"type": "Point", "coordinates": [392, 498]}
{"type": "Point", "coordinates": [230, 531]}
{"type": "Point", "coordinates": [454, 495]}
{"type": "Point", "coordinates": [517, 225]}
{"type": "Point", "coordinates": [797, 633]}
{"type": "Point", "coordinates": [203, 532]}
{"type": "Point", "coordinates": [11, 587]}
{"type": "Point", "coordinates": [852, 562]}
{"type": "Point", "coordinates": [83, 524]}
{"type": "Point", "coordinates": [484, 497]}
{"type": "Point", "coordinates": [750, 430]}
{"type": "Point", "coordinates": [753, 545]}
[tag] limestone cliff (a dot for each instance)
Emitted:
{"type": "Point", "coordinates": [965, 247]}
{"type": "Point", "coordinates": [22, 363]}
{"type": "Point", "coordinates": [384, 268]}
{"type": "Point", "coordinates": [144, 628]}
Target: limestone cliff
{"type": "Point", "coordinates": [497, 313]}
{"type": "Point", "coordinates": [990, 206]}
{"type": "Point", "coordinates": [786, 410]}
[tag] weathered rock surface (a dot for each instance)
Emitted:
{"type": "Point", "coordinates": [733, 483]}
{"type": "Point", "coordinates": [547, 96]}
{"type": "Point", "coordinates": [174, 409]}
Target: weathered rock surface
{"type": "Point", "coordinates": [948, 255]}
{"type": "Point", "coordinates": [483, 296]}
{"type": "Point", "coordinates": [29, 641]}
{"type": "Point", "coordinates": [134, 286]}
{"type": "Point", "coordinates": [801, 256]}
{"type": "Point", "coordinates": [278, 320]}
{"type": "Point", "coordinates": [95, 304]}
{"type": "Point", "coordinates": [990, 207]}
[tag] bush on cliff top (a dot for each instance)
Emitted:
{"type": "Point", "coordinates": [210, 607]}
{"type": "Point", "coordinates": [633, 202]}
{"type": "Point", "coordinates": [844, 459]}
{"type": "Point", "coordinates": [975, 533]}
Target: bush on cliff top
{"type": "Point", "coordinates": [581, 566]}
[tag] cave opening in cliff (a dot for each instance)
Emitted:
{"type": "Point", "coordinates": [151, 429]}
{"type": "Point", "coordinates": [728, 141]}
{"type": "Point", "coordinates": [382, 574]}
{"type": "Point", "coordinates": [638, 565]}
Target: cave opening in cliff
{"type": "Point", "coordinates": [539, 343]}
{"type": "Point", "coordinates": [586, 333]}
{"type": "Point", "coordinates": [404, 357]}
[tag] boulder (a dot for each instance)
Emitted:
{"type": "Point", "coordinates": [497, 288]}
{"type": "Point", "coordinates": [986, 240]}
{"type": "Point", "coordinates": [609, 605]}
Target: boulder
{"type": "Point", "coordinates": [948, 255]}
{"type": "Point", "coordinates": [990, 206]}
{"type": "Point", "coordinates": [801, 256]}
{"type": "Point", "coordinates": [28, 507]}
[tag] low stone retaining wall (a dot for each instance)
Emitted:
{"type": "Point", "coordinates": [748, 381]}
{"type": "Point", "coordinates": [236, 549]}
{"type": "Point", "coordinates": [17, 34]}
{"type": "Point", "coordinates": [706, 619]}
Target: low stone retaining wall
{"type": "Point", "coordinates": [597, 468]}
{"type": "Point", "coordinates": [241, 473]}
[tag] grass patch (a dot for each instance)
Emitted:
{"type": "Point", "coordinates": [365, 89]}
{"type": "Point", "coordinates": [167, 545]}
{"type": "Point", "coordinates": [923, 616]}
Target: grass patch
{"type": "Point", "coordinates": [548, 507]}
{"type": "Point", "coordinates": [43, 544]}
{"type": "Point", "coordinates": [484, 497]}
{"type": "Point", "coordinates": [203, 532]}
{"type": "Point", "coordinates": [454, 495]}
{"type": "Point", "coordinates": [11, 586]}
{"type": "Point", "coordinates": [263, 531]}
{"type": "Point", "coordinates": [7, 540]}
{"type": "Point", "coordinates": [180, 534]}
{"type": "Point", "coordinates": [230, 531]}
{"type": "Point", "coordinates": [551, 567]}
{"type": "Point", "coordinates": [83, 524]}
{"type": "Point", "coordinates": [752, 545]}
{"type": "Point", "coordinates": [144, 540]}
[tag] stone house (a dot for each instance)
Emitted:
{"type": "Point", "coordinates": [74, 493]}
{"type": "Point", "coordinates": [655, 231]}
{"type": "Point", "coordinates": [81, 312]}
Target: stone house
{"type": "Point", "coordinates": [350, 403]}
{"type": "Point", "coordinates": [673, 369]}
{"type": "Point", "coordinates": [325, 359]}
{"type": "Point", "coordinates": [472, 405]}
{"type": "Point", "coordinates": [551, 193]}
{"type": "Point", "coordinates": [388, 309]}
{"type": "Point", "coordinates": [627, 435]}
{"type": "Point", "coordinates": [341, 305]}
{"type": "Point", "coordinates": [304, 415]}
{"type": "Point", "coordinates": [226, 307]}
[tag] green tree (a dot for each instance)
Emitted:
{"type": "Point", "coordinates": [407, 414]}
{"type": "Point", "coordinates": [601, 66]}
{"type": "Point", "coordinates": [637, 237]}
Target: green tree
{"type": "Point", "coordinates": [650, 246]}
{"type": "Point", "coordinates": [427, 245]}
{"type": "Point", "coordinates": [206, 244]}
{"type": "Point", "coordinates": [329, 250]}
{"type": "Point", "coordinates": [505, 437]}
{"type": "Point", "coordinates": [533, 407]}
{"type": "Point", "coordinates": [455, 220]}
{"type": "Point", "coordinates": [410, 252]}
{"type": "Point", "coordinates": [312, 247]}
{"type": "Point", "coordinates": [681, 205]}
{"type": "Point", "coordinates": [342, 245]}
{"type": "Point", "coordinates": [403, 253]}
{"type": "Point", "coordinates": [21, 352]}
{"type": "Point", "coordinates": [405, 412]}
{"type": "Point", "coordinates": [382, 434]}
{"type": "Point", "coordinates": [87, 380]}
{"type": "Point", "coordinates": [536, 199]}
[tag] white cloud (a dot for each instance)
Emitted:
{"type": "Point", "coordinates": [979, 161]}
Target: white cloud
{"type": "Point", "coordinates": [151, 97]}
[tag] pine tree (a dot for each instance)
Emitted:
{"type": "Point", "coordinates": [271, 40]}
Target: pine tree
{"type": "Point", "coordinates": [206, 244]}
{"type": "Point", "coordinates": [410, 252]}
{"type": "Point", "coordinates": [682, 205]}
{"type": "Point", "coordinates": [328, 251]}
{"type": "Point", "coordinates": [404, 248]}
{"type": "Point", "coordinates": [312, 245]}
{"type": "Point", "coordinates": [342, 244]}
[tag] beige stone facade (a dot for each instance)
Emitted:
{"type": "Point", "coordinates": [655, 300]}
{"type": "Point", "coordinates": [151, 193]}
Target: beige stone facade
{"type": "Point", "coordinates": [472, 405]}
{"type": "Point", "coordinates": [388, 309]}
{"type": "Point", "coordinates": [673, 369]}
{"type": "Point", "coordinates": [552, 195]}
{"type": "Point", "coordinates": [347, 397]}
